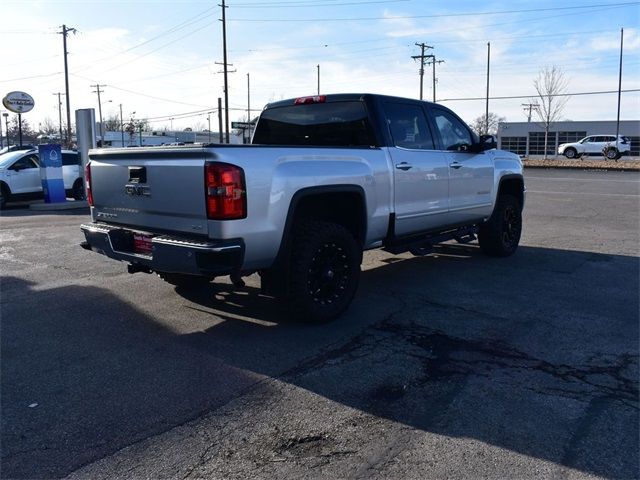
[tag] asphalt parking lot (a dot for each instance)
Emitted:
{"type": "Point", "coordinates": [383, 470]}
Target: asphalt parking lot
{"type": "Point", "coordinates": [453, 365]}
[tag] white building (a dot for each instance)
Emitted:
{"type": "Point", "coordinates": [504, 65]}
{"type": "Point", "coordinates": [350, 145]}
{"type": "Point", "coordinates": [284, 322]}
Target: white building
{"type": "Point", "coordinates": [156, 138]}
{"type": "Point", "coordinates": [527, 138]}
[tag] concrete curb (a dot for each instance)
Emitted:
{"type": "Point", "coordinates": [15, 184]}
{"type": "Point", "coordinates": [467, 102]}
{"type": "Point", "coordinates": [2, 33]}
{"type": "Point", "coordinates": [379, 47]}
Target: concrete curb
{"type": "Point", "coordinates": [68, 205]}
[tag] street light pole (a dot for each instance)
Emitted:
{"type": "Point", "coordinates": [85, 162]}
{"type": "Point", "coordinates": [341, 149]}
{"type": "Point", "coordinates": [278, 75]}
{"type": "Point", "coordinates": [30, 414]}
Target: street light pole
{"type": "Point", "coordinates": [121, 126]}
{"type": "Point", "coordinates": [486, 113]}
{"type": "Point", "coordinates": [249, 105]}
{"type": "Point", "coordinates": [619, 86]}
{"type": "Point", "coordinates": [98, 91]}
{"type": "Point", "coordinates": [59, 113]}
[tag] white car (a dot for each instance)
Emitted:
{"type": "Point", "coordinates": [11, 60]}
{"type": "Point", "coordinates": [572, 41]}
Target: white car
{"type": "Point", "coordinates": [594, 145]}
{"type": "Point", "coordinates": [20, 175]}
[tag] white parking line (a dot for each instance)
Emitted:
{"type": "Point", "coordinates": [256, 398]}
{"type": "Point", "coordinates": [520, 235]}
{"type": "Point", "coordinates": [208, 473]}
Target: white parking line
{"type": "Point", "coordinates": [527, 177]}
{"type": "Point", "coordinates": [585, 193]}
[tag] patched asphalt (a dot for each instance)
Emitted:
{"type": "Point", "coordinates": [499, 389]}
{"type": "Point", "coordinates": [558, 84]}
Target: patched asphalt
{"type": "Point", "coordinates": [452, 365]}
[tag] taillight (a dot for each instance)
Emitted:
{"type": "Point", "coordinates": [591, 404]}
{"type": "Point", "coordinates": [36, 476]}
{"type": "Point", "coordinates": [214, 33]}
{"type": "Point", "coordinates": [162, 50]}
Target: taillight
{"type": "Point", "coordinates": [225, 190]}
{"type": "Point", "coordinates": [312, 99]}
{"type": "Point", "coordinates": [87, 184]}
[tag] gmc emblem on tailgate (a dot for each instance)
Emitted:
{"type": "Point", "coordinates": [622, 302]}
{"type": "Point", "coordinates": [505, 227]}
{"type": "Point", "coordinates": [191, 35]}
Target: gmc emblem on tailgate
{"type": "Point", "coordinates": [135, 190]}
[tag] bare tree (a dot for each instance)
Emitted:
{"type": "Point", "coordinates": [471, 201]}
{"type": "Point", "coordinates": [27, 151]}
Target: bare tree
{"type": "Point", "coordinates": [479, 124]}
{"type": "Point", "coordinates": [47, 126]}
{"type": "Point", "coordinates": [112, 123]}
{"type": "Point", "coordinates": [550, 85]}
{"type": "Point", "coordinates": [199, 127]}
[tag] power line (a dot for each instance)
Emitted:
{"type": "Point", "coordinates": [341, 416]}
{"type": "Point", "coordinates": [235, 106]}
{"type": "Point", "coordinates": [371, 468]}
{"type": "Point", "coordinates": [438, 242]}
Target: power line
{"type": "Point", "coordinates": [188, 22]}
{"type": "Point", "coordinates": [32, 76]}
{"type": "Point", "coordinates": [138, 57]}
{"type": "Point", "coordinates": [140, 93]}
{"type": "Point", "coordinates": [512, 97]}
{"type": "Point", "coordinates": [308, 5]}
{"type": "Point", "coordinates": [442, 15]}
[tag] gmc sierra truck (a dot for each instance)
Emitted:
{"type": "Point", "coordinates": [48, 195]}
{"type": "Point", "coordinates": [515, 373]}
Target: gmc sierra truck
{"type": "Point", "coordinates": [325, 178]}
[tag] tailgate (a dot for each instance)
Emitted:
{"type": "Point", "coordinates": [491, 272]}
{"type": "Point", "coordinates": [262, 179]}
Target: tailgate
{"type": "Point", "coordinates": [156, 189]}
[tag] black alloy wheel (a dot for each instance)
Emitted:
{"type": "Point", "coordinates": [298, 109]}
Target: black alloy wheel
{"type": "Point", "coordinates": [328, 273]}
{"type": "Point", "coordinates": [500, 235]}
{"type": "Point", "coordinates": [324, 271]}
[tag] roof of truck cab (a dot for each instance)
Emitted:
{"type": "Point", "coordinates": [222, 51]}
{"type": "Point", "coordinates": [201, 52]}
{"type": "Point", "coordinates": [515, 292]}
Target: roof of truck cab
{"type": "Point", "coordinates": [341, 97]}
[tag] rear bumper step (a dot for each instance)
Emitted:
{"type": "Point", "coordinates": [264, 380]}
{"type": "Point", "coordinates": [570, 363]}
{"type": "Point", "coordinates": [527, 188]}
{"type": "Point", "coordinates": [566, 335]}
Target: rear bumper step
{"type": "Point", "coordinates": [168, 253]}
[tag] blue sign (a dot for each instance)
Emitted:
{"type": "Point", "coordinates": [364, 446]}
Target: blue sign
{"type": "Point", "coordinates": [51, 173]}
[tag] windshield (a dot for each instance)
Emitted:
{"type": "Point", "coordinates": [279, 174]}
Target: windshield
{"type": "Point", "coordinates": [8, 158]}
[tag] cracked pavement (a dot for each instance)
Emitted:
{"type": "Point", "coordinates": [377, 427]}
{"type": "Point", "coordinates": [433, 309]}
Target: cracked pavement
{"type": "Point", "coordinates": [453, 365]}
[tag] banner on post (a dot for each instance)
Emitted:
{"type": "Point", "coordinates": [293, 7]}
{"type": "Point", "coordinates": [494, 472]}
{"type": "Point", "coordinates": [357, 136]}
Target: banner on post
{"type": "Point", "coordinates": [51, 173]}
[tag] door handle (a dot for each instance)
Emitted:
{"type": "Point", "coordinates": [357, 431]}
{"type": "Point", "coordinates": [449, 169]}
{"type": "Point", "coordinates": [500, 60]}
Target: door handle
{"type": "Point", "coordinates": [455, 165]}
{"type": "Point", "coordinates": [403, 166]}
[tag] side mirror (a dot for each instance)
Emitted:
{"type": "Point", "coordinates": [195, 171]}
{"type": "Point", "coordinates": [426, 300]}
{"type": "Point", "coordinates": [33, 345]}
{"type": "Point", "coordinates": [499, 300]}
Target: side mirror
{"type": "Point", "coordinates": [488, 142]}
{"type": "Point", "coordinates": [15, 168]}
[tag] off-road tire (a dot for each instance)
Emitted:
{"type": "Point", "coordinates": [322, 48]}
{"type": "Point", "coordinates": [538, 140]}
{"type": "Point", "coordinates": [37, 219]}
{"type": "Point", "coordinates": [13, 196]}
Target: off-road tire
{"type": "Point", "coordinates": [4, 196]}
{"type": "Point", "coordinates": [184, 281]}
{"type": "Point", "coordinates": [324, 271]}
{"type": "Point", "coordinates": [78, 190]}
{"type": "Point", "coordinates": [500, 235]}
{"type": "Point", "coordinates": [571, 153]}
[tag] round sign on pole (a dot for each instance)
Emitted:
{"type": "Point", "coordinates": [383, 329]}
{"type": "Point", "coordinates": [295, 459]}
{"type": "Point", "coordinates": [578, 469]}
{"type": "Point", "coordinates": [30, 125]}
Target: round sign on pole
{"type": "Point", "coordinates": [18, 102]}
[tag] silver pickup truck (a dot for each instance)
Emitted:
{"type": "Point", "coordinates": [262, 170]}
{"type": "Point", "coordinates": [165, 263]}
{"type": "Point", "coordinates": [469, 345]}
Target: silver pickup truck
{"type": "Point", "coordinates": [325, 178]}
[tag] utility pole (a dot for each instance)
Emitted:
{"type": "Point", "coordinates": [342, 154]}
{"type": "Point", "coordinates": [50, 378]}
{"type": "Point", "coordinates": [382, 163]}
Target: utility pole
{"type": "Point", "coordinates": [59, 112]}
{"type": "Point", "coordinates": [433, 62]}
{"type": "Point", "coordinates": [486, 113]}
{"type": "Point", "coordinates": [529, 107]}
{"type": "Point", "coordinates": [65, 31]}
{"type": "Point", "coordinates": [422, 57]}
{"type": "Point", "coordinates": [1, 141]}
{"type": "Point", "coordinates": [225, 68]}
{"type": "Point", "coordinates": [209, 122]}
{"type": "Point", "coordinates": [121, 127]}
{"type": "Point", "coordinates": [98, 91]}
{"type": "Point", "coordinates": [249, 104]}
{"type": "Point", "coordinates": [619, 86]}
{"type": "Point", "coordinates": [220, 119]}
{"type": "Point", "coordinates": [318, 66]}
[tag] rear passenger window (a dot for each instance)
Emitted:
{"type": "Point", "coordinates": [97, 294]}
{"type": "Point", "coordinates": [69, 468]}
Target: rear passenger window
{"type": "Point", "coordinates": [408, 126]}
{"type": "Point", "coordinates": [70, 159]}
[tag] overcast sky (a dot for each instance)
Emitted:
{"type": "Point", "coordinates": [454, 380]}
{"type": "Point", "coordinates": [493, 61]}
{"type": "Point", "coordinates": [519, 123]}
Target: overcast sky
{"type": "Point", "coordinates": [157, 58]}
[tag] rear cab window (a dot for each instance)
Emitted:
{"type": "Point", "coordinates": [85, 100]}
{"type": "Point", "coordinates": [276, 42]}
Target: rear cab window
{"type": "Point", "coordinates": [334, 124]}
